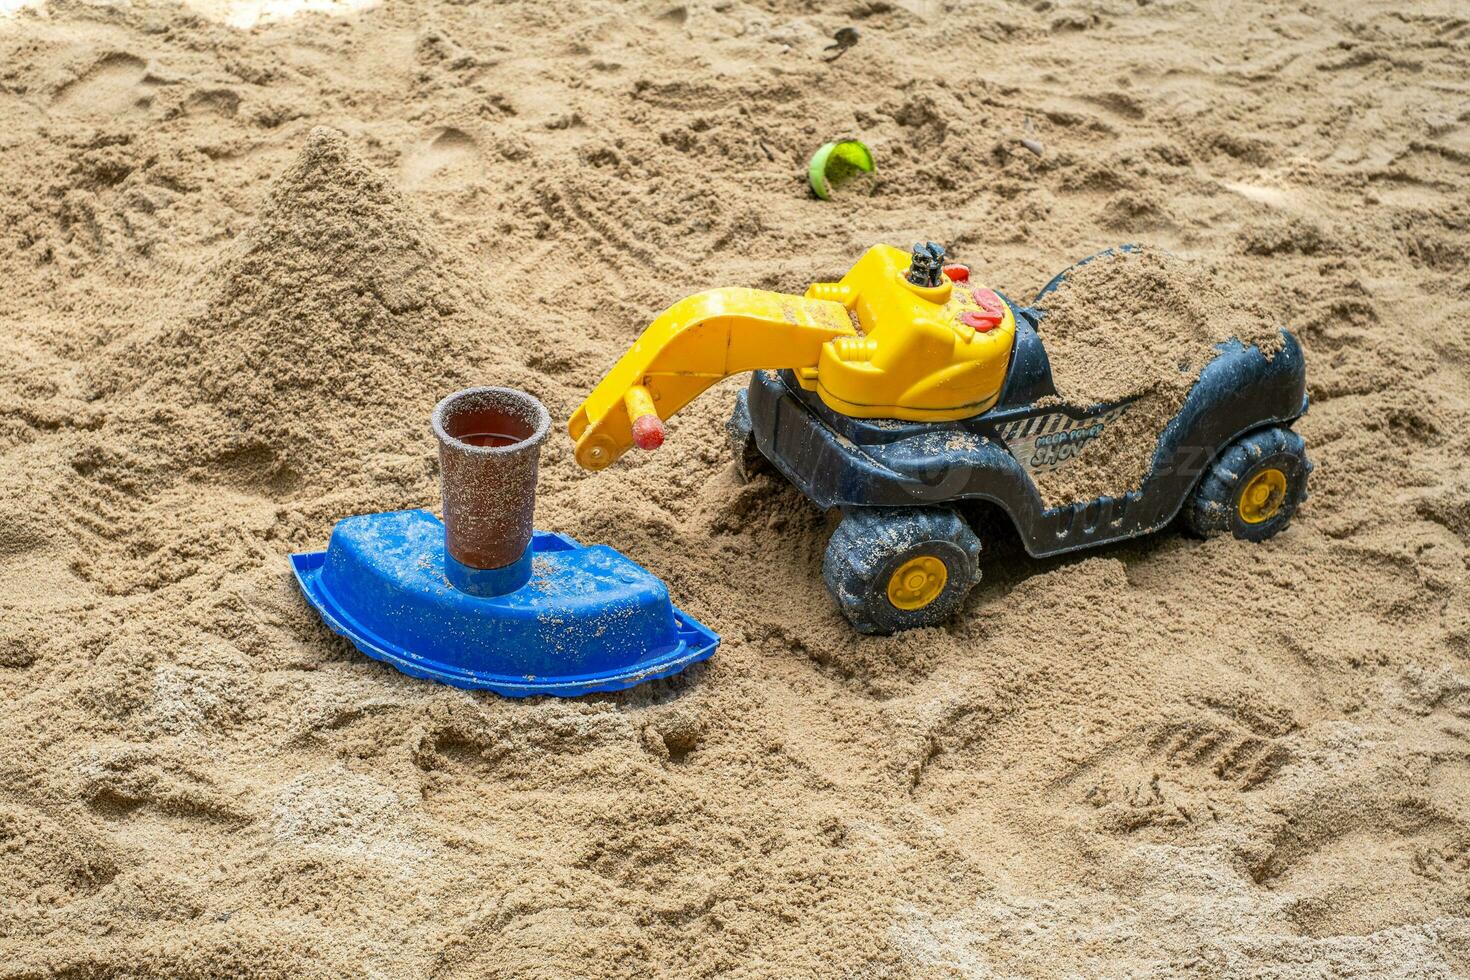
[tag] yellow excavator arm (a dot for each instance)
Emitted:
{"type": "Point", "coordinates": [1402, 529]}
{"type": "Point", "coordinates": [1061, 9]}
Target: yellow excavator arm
{"type": "Point", "coordinates": [885, 342]}
{"type": "Point", "coordinates": [692, 345]}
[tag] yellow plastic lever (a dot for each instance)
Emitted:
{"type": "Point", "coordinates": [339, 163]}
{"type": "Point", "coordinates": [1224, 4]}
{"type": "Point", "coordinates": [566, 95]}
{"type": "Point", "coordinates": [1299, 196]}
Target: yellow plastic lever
{"type": "Point", "coordinates": [692, 345]}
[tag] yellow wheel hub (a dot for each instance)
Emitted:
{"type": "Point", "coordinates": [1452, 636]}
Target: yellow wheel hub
{"type": "Point", "coordinates": [917, 582]}
{"type": "Point", "coordinates": [1262, 496]}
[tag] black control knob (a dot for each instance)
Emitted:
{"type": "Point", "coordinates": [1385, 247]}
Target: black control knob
{"type": "Point", "coordinates": [926, 264]}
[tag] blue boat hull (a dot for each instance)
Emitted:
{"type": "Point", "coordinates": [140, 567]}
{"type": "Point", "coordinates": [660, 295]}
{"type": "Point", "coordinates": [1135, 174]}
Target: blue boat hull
{"type": "Point", "coordinates": [589, 619]}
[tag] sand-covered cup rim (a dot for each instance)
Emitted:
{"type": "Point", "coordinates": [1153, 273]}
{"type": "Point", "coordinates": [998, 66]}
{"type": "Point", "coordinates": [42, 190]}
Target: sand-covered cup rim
{"type": "Point", "coordinates": [511, 402]}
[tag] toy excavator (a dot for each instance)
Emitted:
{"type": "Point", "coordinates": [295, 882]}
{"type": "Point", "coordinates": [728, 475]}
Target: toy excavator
{"type": "Point", "coordinates": [903, 391]}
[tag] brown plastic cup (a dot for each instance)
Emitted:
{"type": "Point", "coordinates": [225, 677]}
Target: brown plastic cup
{"type": "Point", "coordinates": [489, 452]}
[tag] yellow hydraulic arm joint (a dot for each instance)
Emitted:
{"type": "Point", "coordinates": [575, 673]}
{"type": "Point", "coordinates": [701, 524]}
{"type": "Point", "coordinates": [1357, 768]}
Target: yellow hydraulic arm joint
{"type": "Point", "coordinates": [693, 344]}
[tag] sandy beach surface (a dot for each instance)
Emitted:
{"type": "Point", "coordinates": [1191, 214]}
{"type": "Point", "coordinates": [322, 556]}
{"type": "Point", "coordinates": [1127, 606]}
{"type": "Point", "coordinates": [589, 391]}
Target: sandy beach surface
{"type": "Point", "coordinates": [242, 254]}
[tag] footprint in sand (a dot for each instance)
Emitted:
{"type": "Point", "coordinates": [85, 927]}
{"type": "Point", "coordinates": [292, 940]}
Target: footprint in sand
{"type": "Point", "coordinates": [117, 84]}
{"type": "Point", "coordinates": [451, 158]}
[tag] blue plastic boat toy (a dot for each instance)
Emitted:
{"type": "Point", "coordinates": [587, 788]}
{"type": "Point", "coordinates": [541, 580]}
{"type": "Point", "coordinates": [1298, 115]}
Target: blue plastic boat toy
{"type": "Point", "coordinates": [588, 619]}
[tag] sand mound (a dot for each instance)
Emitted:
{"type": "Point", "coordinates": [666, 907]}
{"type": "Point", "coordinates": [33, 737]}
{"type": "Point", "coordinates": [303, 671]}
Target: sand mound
{"type": "Point", "coordinates": [1142, 322]}
{"type": "Point", "coordinates": [339, 319]}
{"type": "Point", "coordinates": [1137, 325]}
{"type": "Point", "coordinates": [332, 326]}
{"type": "Point", "coordinates": [304, 359]}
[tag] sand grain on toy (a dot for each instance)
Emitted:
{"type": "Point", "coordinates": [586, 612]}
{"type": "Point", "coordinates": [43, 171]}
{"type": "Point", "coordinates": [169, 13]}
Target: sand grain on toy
{"type": "Point", "coordinates": [241, 267]}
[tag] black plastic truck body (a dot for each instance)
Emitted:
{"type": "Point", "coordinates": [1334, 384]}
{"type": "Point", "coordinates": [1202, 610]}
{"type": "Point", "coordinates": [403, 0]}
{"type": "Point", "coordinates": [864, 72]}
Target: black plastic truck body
{"type": "Point", "coordinates": [839, 461]}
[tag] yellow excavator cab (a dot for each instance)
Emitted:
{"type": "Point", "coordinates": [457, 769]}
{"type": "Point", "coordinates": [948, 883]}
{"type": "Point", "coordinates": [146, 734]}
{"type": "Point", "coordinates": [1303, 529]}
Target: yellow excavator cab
{"type": "Point", "coordinates": [900, 336]}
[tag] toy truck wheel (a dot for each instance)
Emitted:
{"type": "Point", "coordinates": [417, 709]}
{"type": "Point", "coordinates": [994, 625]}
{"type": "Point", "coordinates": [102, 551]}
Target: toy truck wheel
{"type": "Point", "coordinates": [1253, 488]}
{"type": "Point", "coordinates": [893, 569]}
{"type": "Point", "coordinates": [748, 458]}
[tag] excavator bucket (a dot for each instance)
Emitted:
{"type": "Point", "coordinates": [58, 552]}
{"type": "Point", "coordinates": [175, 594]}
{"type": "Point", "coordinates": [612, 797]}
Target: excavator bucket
{"type": "Point", "coordinates": [688, 348]}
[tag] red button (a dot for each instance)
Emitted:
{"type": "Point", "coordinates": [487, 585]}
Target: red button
{"type": "Point", "coordinates": [988, 301]}
{"type": "Point", "coordinates": [980, 322]}
{"type": "Point", "coordinates": [957, 273]}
